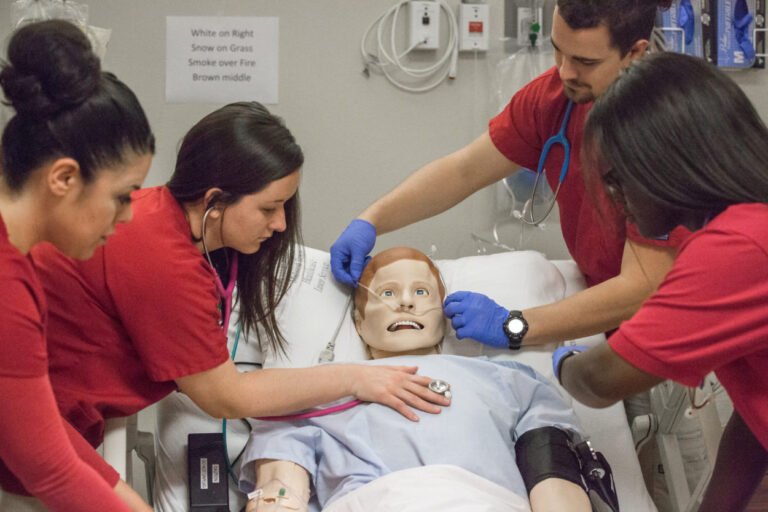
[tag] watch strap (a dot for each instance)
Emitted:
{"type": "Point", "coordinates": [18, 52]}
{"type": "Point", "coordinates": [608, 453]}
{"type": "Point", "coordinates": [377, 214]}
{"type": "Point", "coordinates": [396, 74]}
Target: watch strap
{"type": "Point", "coordinates": [515, 338]}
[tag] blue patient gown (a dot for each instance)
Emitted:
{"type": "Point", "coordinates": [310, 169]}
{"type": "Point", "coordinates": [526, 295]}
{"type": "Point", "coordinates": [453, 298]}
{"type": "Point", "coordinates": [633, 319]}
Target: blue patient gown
{"type": "Point", "coordinates": [492, 405]}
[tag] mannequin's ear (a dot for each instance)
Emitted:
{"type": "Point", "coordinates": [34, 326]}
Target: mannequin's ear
{"type": "Point", "coordinates": [62, 176]}
{"type": "Point", "coordinates": [357, 319]}
{"type": "Point", "coordinates": [211, 199]}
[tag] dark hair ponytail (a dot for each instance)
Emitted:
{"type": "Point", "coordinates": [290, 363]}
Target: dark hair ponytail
{"type": "Point", "coordinates": [66, 106]}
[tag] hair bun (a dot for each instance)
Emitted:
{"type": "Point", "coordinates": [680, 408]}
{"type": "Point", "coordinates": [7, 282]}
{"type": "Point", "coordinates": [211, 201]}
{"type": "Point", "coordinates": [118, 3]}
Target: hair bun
{"type": "Point", "coordinates": [51, 67]}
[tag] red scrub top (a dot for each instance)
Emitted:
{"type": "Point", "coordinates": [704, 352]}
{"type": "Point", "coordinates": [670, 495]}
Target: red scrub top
{"type": "Point", "coordinates": [39, 453]}
{"type": "Point", "coordinates": [594, 235]}
{"type": "Point", "coordinates": [128, 322]}
{"type": "Point", "coordinates": [710, 314]}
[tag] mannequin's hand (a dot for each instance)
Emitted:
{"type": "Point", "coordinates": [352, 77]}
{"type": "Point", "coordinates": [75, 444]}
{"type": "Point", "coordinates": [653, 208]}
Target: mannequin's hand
{"type": "Point", "coordinates": [397, 387]}
{"type": "Point", "coordinates": [473, 315]}
{"type": "Point", "coordinates": [349, 254]}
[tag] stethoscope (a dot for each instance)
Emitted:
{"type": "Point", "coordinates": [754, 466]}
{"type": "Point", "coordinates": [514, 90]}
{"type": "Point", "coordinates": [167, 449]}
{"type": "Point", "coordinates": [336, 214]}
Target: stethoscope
{"type": "Point", "coordinates": [561, 139]}
{"type": "Point", "coordinates": [227, 292]}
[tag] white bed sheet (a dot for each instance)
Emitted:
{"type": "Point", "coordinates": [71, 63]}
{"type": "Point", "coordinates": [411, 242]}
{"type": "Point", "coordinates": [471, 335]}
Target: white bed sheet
{"type": "Point", "coordinates": [315, 307]}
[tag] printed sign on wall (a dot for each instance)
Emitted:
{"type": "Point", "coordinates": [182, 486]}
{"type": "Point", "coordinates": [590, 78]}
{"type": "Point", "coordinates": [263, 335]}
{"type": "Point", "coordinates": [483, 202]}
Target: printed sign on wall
{"type": "Point", "coordinates": [221, 59]}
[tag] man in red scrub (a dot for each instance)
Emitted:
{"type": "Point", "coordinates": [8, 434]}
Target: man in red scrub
{"type": "Point", "coordinates": [594, 41]}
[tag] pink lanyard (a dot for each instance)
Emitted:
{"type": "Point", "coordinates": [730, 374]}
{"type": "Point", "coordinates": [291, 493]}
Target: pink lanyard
{"type": "Point", "coordinates": [313, 413]}
{"type": "Point", "coordinates": [226, 293]}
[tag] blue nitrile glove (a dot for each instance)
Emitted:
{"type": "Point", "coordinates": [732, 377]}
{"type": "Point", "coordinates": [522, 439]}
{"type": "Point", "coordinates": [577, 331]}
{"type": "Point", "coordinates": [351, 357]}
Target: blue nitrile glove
{"type": "Point", "coordinates": [349, 254]}
{"type": "Point", "coordinates": [742, 19]}
{"type": "Point", "coordinates": [473, 315]}
{"type": "Point", "coordinates": [561, 354]}
{"type": "Point", "coordinates": [686, 20]}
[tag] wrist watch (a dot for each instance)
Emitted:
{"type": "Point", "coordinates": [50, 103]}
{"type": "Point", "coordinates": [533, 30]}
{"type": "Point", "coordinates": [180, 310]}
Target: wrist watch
{"type": "Point", "coordinates": [515, 327]}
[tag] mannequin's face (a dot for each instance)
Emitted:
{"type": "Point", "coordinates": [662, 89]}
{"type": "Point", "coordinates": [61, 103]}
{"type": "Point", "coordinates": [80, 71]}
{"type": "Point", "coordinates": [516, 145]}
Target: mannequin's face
{"type": "Point", "coordinates": [403, 314]}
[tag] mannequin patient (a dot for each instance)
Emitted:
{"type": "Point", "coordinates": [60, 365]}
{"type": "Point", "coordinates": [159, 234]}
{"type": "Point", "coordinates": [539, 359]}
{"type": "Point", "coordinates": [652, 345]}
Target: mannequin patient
{"type": "Point", "coordinates": [483, 452]}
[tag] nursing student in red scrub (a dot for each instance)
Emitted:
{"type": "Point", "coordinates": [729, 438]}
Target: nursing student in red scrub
{"type": "Point", "coordinates": [78, 145]}
{"type": "Point", "coordinates": [154, 302]}
{"type": "Point", "coordinates": [676, 142]}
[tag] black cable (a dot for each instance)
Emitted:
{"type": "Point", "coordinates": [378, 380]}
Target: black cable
{"type": "Point", "coordinates": [248, 363]}
{"type": "Point", "coordinates": [242, 451]}
{"type": "Point", "coordinates": [646, 436]}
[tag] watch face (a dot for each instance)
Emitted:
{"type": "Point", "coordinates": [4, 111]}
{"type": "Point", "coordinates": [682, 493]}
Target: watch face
{"type": "Point", "coordinates": [515, 326]}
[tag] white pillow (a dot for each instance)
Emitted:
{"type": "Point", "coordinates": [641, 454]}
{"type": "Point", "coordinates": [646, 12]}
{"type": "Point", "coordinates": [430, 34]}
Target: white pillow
{"type": "Point", "coordinates": [516, 280]}
{"type": "Point", "coordinates": [316, 305]}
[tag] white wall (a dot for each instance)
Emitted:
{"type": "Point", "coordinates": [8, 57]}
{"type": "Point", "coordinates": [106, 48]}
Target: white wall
{"type": "Point", "coordinates": [360, 136]}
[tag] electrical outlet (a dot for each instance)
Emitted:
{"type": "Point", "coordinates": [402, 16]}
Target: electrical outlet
{"type": "Point", "coordinates": [423, 25]}
{"type": "Point", "coordinates": [473, 27]}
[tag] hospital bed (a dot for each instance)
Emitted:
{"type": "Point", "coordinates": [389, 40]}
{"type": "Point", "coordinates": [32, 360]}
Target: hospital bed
{"type": "Point", "coordinates": [314, 317]}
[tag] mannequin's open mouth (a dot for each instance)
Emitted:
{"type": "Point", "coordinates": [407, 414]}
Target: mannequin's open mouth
{"type": "Point", "coordinates": [401, 325]}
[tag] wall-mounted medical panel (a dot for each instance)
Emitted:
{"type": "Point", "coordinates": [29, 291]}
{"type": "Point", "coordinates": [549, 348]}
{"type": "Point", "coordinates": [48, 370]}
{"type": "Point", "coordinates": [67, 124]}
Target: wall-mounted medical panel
{"type": "Point", "coordinates": [728, 33]}
{"type": "Point", "coordinates": [735, 37]}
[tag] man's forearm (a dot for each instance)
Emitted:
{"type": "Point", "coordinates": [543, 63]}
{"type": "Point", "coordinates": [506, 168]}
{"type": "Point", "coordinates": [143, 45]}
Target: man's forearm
{"type": "Point", "coordinates": [431, 190]}
{"type": "Point", "coordinates": [591, 311]}
{"type": "Point", "coordinates": [602, 307]}
{"type": "Point", "coordinates": [440, 185]}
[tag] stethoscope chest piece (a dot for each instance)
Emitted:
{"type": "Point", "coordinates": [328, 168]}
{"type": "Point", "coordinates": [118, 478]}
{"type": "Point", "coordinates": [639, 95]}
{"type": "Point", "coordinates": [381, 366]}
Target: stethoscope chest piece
{"type": "Point", "coordinates": [440, 387]}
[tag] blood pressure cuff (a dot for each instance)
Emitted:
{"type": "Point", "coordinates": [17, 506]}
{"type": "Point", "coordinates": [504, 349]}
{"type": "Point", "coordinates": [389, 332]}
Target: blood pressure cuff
{"type": "Point", "coordinates": [550, 452]}
{"type": "Point", "coordinates": [547, 452]}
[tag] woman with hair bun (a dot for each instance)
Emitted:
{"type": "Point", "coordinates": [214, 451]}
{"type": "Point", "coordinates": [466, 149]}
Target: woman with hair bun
{"type": "Point", "coordinates": [77, 147]}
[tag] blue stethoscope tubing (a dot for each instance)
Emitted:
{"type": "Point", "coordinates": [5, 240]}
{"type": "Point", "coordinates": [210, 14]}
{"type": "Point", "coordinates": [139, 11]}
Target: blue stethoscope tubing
{"type": "Point", "coordinates": [558, 138]}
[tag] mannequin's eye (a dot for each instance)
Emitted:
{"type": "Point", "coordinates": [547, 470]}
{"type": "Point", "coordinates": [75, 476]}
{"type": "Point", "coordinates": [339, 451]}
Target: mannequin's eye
{"type": "Point", "coordinates": [387, 293]}
{"type": "Point", "coordinates": [422, 292]}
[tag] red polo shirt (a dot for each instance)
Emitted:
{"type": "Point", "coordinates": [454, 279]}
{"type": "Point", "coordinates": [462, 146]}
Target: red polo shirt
{"type": "Point", "coordinates": [39, 453]}
{"type": "Point", "coordinates": [709, 314]}
{"type": "Point", "coordinates": [593, 230]}
{"type": "Point", "coordinates": [127, 323]}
